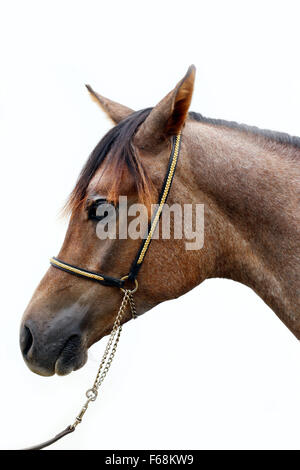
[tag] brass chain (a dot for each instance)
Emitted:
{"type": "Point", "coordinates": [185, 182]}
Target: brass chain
{"type": "Point", "coordinates": [132, 305]}
{"type": "Point", "coordinates": [109, 352]}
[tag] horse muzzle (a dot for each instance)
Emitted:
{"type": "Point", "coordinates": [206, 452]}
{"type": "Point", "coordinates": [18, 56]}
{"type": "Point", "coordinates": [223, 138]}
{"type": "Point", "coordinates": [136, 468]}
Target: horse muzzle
{"type": "Point", "coordinates": [52, 351]}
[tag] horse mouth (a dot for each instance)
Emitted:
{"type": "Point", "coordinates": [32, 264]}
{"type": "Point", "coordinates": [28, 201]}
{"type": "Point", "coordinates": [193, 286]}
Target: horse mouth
{"type": "Point", "coordinates": [72, 357]}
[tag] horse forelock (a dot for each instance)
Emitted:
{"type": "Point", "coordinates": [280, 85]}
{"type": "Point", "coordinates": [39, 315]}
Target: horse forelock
{"type": "Point", "coordinates": [117, 144]}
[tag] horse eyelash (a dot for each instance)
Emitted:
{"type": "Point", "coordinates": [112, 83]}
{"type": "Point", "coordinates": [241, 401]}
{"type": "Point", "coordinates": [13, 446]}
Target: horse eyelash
{"type": "Point", "coordinates": [97, 202]}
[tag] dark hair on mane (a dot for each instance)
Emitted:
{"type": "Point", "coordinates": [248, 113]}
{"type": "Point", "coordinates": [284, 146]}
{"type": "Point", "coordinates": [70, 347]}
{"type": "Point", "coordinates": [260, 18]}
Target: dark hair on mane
{"type": "Point", "coordinates": [279, 137]}
{"type": "Point", "coordinates": [122, 158]}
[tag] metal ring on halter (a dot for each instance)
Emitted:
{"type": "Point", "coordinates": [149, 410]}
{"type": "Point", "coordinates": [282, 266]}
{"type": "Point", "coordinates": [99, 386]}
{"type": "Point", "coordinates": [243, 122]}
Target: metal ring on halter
{"type": "Point", "coordinates": [136, 285]}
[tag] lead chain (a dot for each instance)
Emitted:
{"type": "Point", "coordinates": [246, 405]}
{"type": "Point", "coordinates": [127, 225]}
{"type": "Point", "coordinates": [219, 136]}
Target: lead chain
{"type": "Point", "coordinates": [108, 354]}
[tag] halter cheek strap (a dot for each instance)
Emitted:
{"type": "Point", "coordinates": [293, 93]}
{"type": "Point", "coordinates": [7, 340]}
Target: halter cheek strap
{"type": "Point", "coordinates": [138, 261]}
{"type": "Point", "coordinates": [136, 265]}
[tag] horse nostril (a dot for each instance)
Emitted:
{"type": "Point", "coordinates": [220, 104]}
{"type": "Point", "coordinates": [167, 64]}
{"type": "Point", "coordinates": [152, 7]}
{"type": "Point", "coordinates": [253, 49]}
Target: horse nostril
{"type": "Point", "coordinates": [26, 340]}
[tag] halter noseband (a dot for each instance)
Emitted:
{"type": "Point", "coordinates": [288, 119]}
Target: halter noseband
{"type": "Point", "coordinates": [137, 263]}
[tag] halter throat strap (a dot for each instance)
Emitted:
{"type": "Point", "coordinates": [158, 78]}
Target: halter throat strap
{"type": "Point", "coordinates": [139, 259]}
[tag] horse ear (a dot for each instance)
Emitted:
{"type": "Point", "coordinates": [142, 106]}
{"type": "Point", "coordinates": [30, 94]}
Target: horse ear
{"type": "Point", "coordinates": [115, 111]}
{"type": "Point", "coordinates": [168, 116]}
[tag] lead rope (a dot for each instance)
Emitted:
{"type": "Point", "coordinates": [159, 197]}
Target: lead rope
{"type": "Point", "coordinates": [106, 361]}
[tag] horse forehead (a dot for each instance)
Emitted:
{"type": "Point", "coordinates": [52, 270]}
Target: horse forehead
{"type": "Point", "coordinates": [100, 181]}
{"type": "Point", "coordinates": [104, 177]}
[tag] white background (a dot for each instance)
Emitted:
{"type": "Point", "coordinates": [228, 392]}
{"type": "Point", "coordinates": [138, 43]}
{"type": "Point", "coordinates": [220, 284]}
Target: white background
{"type": "Point", "coordinates": [215, 369]}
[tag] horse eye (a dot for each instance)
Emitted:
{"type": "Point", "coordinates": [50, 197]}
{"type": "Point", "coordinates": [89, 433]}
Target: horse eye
{"type": "Point", "coordinates": [93, 209]}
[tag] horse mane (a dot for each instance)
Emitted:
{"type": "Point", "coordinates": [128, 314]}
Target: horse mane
{"type": "Point", "coordinates": [123, 158]}
{"type": "Point", "coordinates": [274, 136]}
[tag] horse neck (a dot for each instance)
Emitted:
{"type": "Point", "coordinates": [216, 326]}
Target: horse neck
{"type": "Point", "coordinates": [254, 184]}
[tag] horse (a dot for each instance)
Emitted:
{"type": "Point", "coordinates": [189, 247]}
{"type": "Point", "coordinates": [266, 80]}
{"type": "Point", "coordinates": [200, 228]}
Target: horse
{"type": "Point", "coordinates": [249, 183]}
